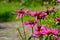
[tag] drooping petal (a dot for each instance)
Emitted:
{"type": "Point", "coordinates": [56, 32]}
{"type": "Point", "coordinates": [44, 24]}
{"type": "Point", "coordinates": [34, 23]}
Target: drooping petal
{"type": "Point", "coordinates": [30, 23]}
{"type": "Point", "coordinates": [26, 22]}
{"type": "Point", "coordinates": [58, 38]}
{"type": "Point", "coordinates": [26, 11]}
{"type": "Point", "coordinates": [36, 33]}
{"type": "Point", "coordinates": [55, 31]}
{"type": "Point", "coordinates": [20, 16]}
{"type": "Point", "coordinates": [33, 14]}
{"type": "Point", "coordinates": [43, 30]}
{"type": "Point", "coordinates": [17, 17]}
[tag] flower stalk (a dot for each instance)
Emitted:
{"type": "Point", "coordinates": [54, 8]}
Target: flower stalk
{"type": "Point", "coordinates": [20, 35]}
{"type": "Point", "coordinates": [23, 28]}
{"type": "Point", "coordinates": [33, 32]}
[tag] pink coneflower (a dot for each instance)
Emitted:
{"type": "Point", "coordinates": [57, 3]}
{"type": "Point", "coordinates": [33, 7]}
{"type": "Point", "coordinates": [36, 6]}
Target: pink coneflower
{"type": "Point", "coordinates": [30, 23]}
{"type": "Point", "coordinates": [44, 30]}
{"type": "Point", "coordinates": [41, 15]}
{"type": "Point", "coordinates": [20, 13]}
{"type": "Point", "coordinates": [51, 10]}
{"type": "Point", "coordinates": [57, 19]}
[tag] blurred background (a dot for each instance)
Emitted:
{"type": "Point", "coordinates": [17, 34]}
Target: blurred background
{"type": "Point", "coordinates": [9, 6]}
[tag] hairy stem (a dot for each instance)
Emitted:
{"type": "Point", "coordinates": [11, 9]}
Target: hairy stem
{"type": "Point", "coordinates": [33, 32]}
{"type": "Point", "coordinates": [20, 34]}
{"type": "Point", "coordinates": [23, 28]}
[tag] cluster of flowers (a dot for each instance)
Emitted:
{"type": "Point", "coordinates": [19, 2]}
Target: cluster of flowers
{"type": "Point", "coordinates": [40, 30]}
{"type": "Point", "coordinates": [40, 15]}
{"type": "Point", "coordinates": [44, 30]}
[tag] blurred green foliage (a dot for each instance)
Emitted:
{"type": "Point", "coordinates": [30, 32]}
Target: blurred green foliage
{"type": "Point", "coordinates": [9, 6]}
{"type": "Point", "coordinates": [7, 16]}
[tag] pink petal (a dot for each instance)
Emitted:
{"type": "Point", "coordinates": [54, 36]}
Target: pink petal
{"type": "Point", "coordinates": [30, 26]}
{"type": "Point", "coordinates": [26, 11]}
{"type": "Point", "coordinates": [55, 31]}
{"type": "Point", "coordinates": [37, 32]}
{"type": "Point", "coordinates": [26, 23]}
{"type": "Point", "coordinates": [34, 35]}
{"type": "Point", "coordinates": [57, 19]}
{"type": "Point", "coordinates": [20, 16]}
{"type": "Point", "coordinates": [43, 30]}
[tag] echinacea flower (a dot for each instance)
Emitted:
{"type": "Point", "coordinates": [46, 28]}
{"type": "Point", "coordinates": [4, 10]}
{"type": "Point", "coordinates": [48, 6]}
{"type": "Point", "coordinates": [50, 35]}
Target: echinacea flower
{"type": "Point", "coordinates": [49, 10]}
{"type": "Point", "coordinates": [30, 23]}
{"type": "Point", "coordinates": [42, 15]}
{"type": "Point", "coordinates": [58, 38]}
{"type": "Point", "coordinates": [20, 13]}
{"type": "Point", "coordinates": [57, 19]}
{"type": "Point", "coordinates": [33, 14]}
{"type": "Point", "coordinates": [41, 30]}
{"type": "Point", "coordinates": [53, 31]}
{"type": "Point", "coordinates": [45, 30]}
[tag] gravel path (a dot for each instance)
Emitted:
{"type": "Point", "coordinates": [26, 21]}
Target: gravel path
{"type": "Point", "coordinates": [8, 31]}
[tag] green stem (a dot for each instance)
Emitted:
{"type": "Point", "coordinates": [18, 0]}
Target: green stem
{"type": "Point", "coordinates": [54, 15]}
{"type": "Point", "coordinates": [20, 34]}
{"type": "Point", "coordinates": [38, 24]}
{"type": "Point", "coordinates": [30, 37]}
{"type": "Point", "coordinates": [33, 32]}
{"type": "Point", "coordinates": [40, 37]}
{"type": "Point", "coordinates": [23, 28]}
{"type": "Point", "coordinates": [50, 38]}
